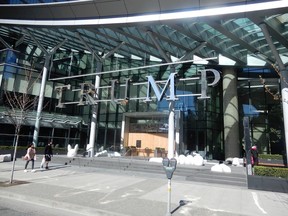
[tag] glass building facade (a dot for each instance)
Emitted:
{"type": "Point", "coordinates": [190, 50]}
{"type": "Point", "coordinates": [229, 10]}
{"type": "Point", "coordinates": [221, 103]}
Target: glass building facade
{"type": "Point", "coordinates": [202, 125]}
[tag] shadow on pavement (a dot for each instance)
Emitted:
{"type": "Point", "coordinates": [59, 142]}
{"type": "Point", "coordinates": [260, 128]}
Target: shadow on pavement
{"type": "Point", "coordinates": [181, 203]}
{"type": "Point", "coordinates": [14, 182]}
{"type": "Point", "coordinates": [55, 167]}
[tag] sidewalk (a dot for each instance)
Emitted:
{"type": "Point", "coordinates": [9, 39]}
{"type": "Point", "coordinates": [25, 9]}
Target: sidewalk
{"type": "Point", "coordinates": [91, 191]}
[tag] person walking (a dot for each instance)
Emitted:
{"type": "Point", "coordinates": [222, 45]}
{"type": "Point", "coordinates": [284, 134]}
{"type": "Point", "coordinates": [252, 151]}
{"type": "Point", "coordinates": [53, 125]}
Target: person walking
{"type": "Point", "coordinates": [30, 156]}
{"type": "Point", "coordinates": [254, 156]}
{"type": "Point", "coordinates": [48, 153]}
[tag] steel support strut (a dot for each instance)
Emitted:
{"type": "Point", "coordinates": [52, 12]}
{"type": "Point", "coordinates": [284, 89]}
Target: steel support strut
{"type": "Point", "coordinates": [99, 63]}
{"type": "Point", "coordinates": [48, 55]}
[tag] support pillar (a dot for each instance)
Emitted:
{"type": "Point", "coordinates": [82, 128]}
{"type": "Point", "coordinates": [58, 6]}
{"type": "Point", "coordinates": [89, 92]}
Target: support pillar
{"type": "Point", "coordinates": [93, 128]}
{"type": "Point", "coordinates": [48, 55]}
{"type": "Point", "coordinates": [100, 60]}
{"type": "Point", "coordinates": [42, 93]}
{"type": "Point", "coordinates": [171, 122]}
{"type": "Point", "coordinates": [41, 100]}
{"type": "Point", "coordinates": [231, 113]}
{"type": "Point", "coordinates": [171, 130]}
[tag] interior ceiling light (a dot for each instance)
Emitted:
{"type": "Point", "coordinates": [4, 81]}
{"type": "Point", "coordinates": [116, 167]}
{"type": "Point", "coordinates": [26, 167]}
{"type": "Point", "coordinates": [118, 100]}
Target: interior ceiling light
{"type": "Point", "coordinates": [156, 17]}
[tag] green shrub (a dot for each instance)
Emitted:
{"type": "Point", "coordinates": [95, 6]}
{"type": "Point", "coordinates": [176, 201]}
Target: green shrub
{"type": "Point", "coordinates": [271, 171]}
{"type": "Point", "coordinates": [271, 156]}
{"type": "Point", "coordinates": [62, 151]}
{"type": "Point", "coordinates": [12, 147]}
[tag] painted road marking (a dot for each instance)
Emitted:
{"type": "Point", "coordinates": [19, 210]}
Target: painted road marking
{"type": "Point", "coordinates": [255, 197]}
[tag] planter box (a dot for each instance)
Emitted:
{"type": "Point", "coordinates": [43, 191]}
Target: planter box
{"type": "Point", "coordinates": [19, 153]}
{"type": "Point", "coordinates": [267, 183]}
{"type": "Point", "coordinates": [271, 162]}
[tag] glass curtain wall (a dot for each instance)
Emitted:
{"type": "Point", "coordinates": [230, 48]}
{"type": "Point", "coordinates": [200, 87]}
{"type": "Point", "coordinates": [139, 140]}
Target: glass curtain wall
{"type": "Point", "coordinates": [263, 106]}
{"type": "Point", "coordinates": [201, 118]}
{"type": "Point", "coordinates": [56, 123]}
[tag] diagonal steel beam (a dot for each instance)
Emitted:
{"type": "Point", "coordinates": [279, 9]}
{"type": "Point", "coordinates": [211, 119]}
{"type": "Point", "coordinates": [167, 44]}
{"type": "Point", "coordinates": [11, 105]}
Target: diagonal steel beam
{"type": "Point", "coordinates": [5, 43]}
{"type": "Point", "coordinates": [209, 45]}
{"type": "Point", "coordinates": [97, 57]}
{"type": "Point", "coordinates": [156, 43]}
{"type": "Point", "coordinates": [191, 52]}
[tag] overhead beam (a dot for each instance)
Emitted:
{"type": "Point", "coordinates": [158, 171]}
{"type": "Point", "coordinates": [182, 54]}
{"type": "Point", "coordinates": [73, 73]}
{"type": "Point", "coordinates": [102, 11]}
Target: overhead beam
{"type": "Point", "coordinates": [5, 43]}
{"type": "Point", "coordinates": [20, 41]}
{"type": "Point", "coordinates": [129, 69]}
{"type": "Point", "coordinates": [36, 41]}
{"type": "Point", "coordinates": [156, 43]}
{"type": "Point", "coordinates": [193, 51]}
{"type": "Point", "coordinates": [139, 40]}
{"type": "Point", "coordinates": [107, 55]}
{"type": "Point", "coordinates": [274, 27]}
{"type": "Point", "coordinates": [95, 55]}
{"type": "Point", "coordinates": [209, 45]}
{"type": "Point", "coordinates": [136, 50]}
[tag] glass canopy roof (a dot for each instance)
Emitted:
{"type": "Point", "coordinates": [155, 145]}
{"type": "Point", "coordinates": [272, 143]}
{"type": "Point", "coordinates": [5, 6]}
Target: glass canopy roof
{"type": "Point", "coordinates": [238, 37]}
{"type": "Point", "coordinates": [31, 1]}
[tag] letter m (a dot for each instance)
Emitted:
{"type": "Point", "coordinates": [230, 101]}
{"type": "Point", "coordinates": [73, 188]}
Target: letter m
{"type": "Point", "coordinates": [159, 95]}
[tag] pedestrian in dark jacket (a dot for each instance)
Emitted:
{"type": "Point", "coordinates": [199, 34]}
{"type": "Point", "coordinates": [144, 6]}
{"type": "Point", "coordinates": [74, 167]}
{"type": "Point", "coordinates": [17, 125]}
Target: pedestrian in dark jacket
{"type": "Point", "coordinates": [48, 153]}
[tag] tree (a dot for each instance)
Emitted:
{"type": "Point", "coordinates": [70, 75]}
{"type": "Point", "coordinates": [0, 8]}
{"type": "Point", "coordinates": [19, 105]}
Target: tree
{"type": "Point", "coordinates": [275, 95]}
{"type": "Point", "coordinates": [275, 111]}
{"type": "Point", "coordinates": [18, 105]}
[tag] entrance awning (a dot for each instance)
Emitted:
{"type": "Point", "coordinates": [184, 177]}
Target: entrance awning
{"type": "Point", "coordinates": [47, 120]}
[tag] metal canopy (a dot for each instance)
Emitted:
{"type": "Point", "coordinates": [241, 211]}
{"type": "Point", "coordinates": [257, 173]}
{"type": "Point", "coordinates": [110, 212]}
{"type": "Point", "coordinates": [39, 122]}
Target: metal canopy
{"type": "Point", "coordinates": [234, 36]}
{"type": "Point", "coordinates": [47, 119]}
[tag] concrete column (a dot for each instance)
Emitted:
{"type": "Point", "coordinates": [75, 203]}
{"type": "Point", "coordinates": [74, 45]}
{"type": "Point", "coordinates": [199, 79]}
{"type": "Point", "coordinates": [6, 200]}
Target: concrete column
{"type": "Point", "coordinates": [41, 100]}
{"type": "Point", "coordinates": [171, 130]}
{"type": "Point", "coordinates": [125, 131]}
{"type": "Point", "coordinates": [47, 55]}
{"type": "Point", "coordinates": [231, 113]}
{"type": "Point", "coordinates": [171, 122]}
{"type": "Point", "coordinates": [93, 129]}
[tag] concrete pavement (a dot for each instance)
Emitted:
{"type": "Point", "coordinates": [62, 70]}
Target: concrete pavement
{"type": "Point", "coordinates": [93, 191]}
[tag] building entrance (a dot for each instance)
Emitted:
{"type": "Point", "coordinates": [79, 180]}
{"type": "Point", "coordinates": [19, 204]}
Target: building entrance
{"type": "Point", "coordinates": [146, 134]}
